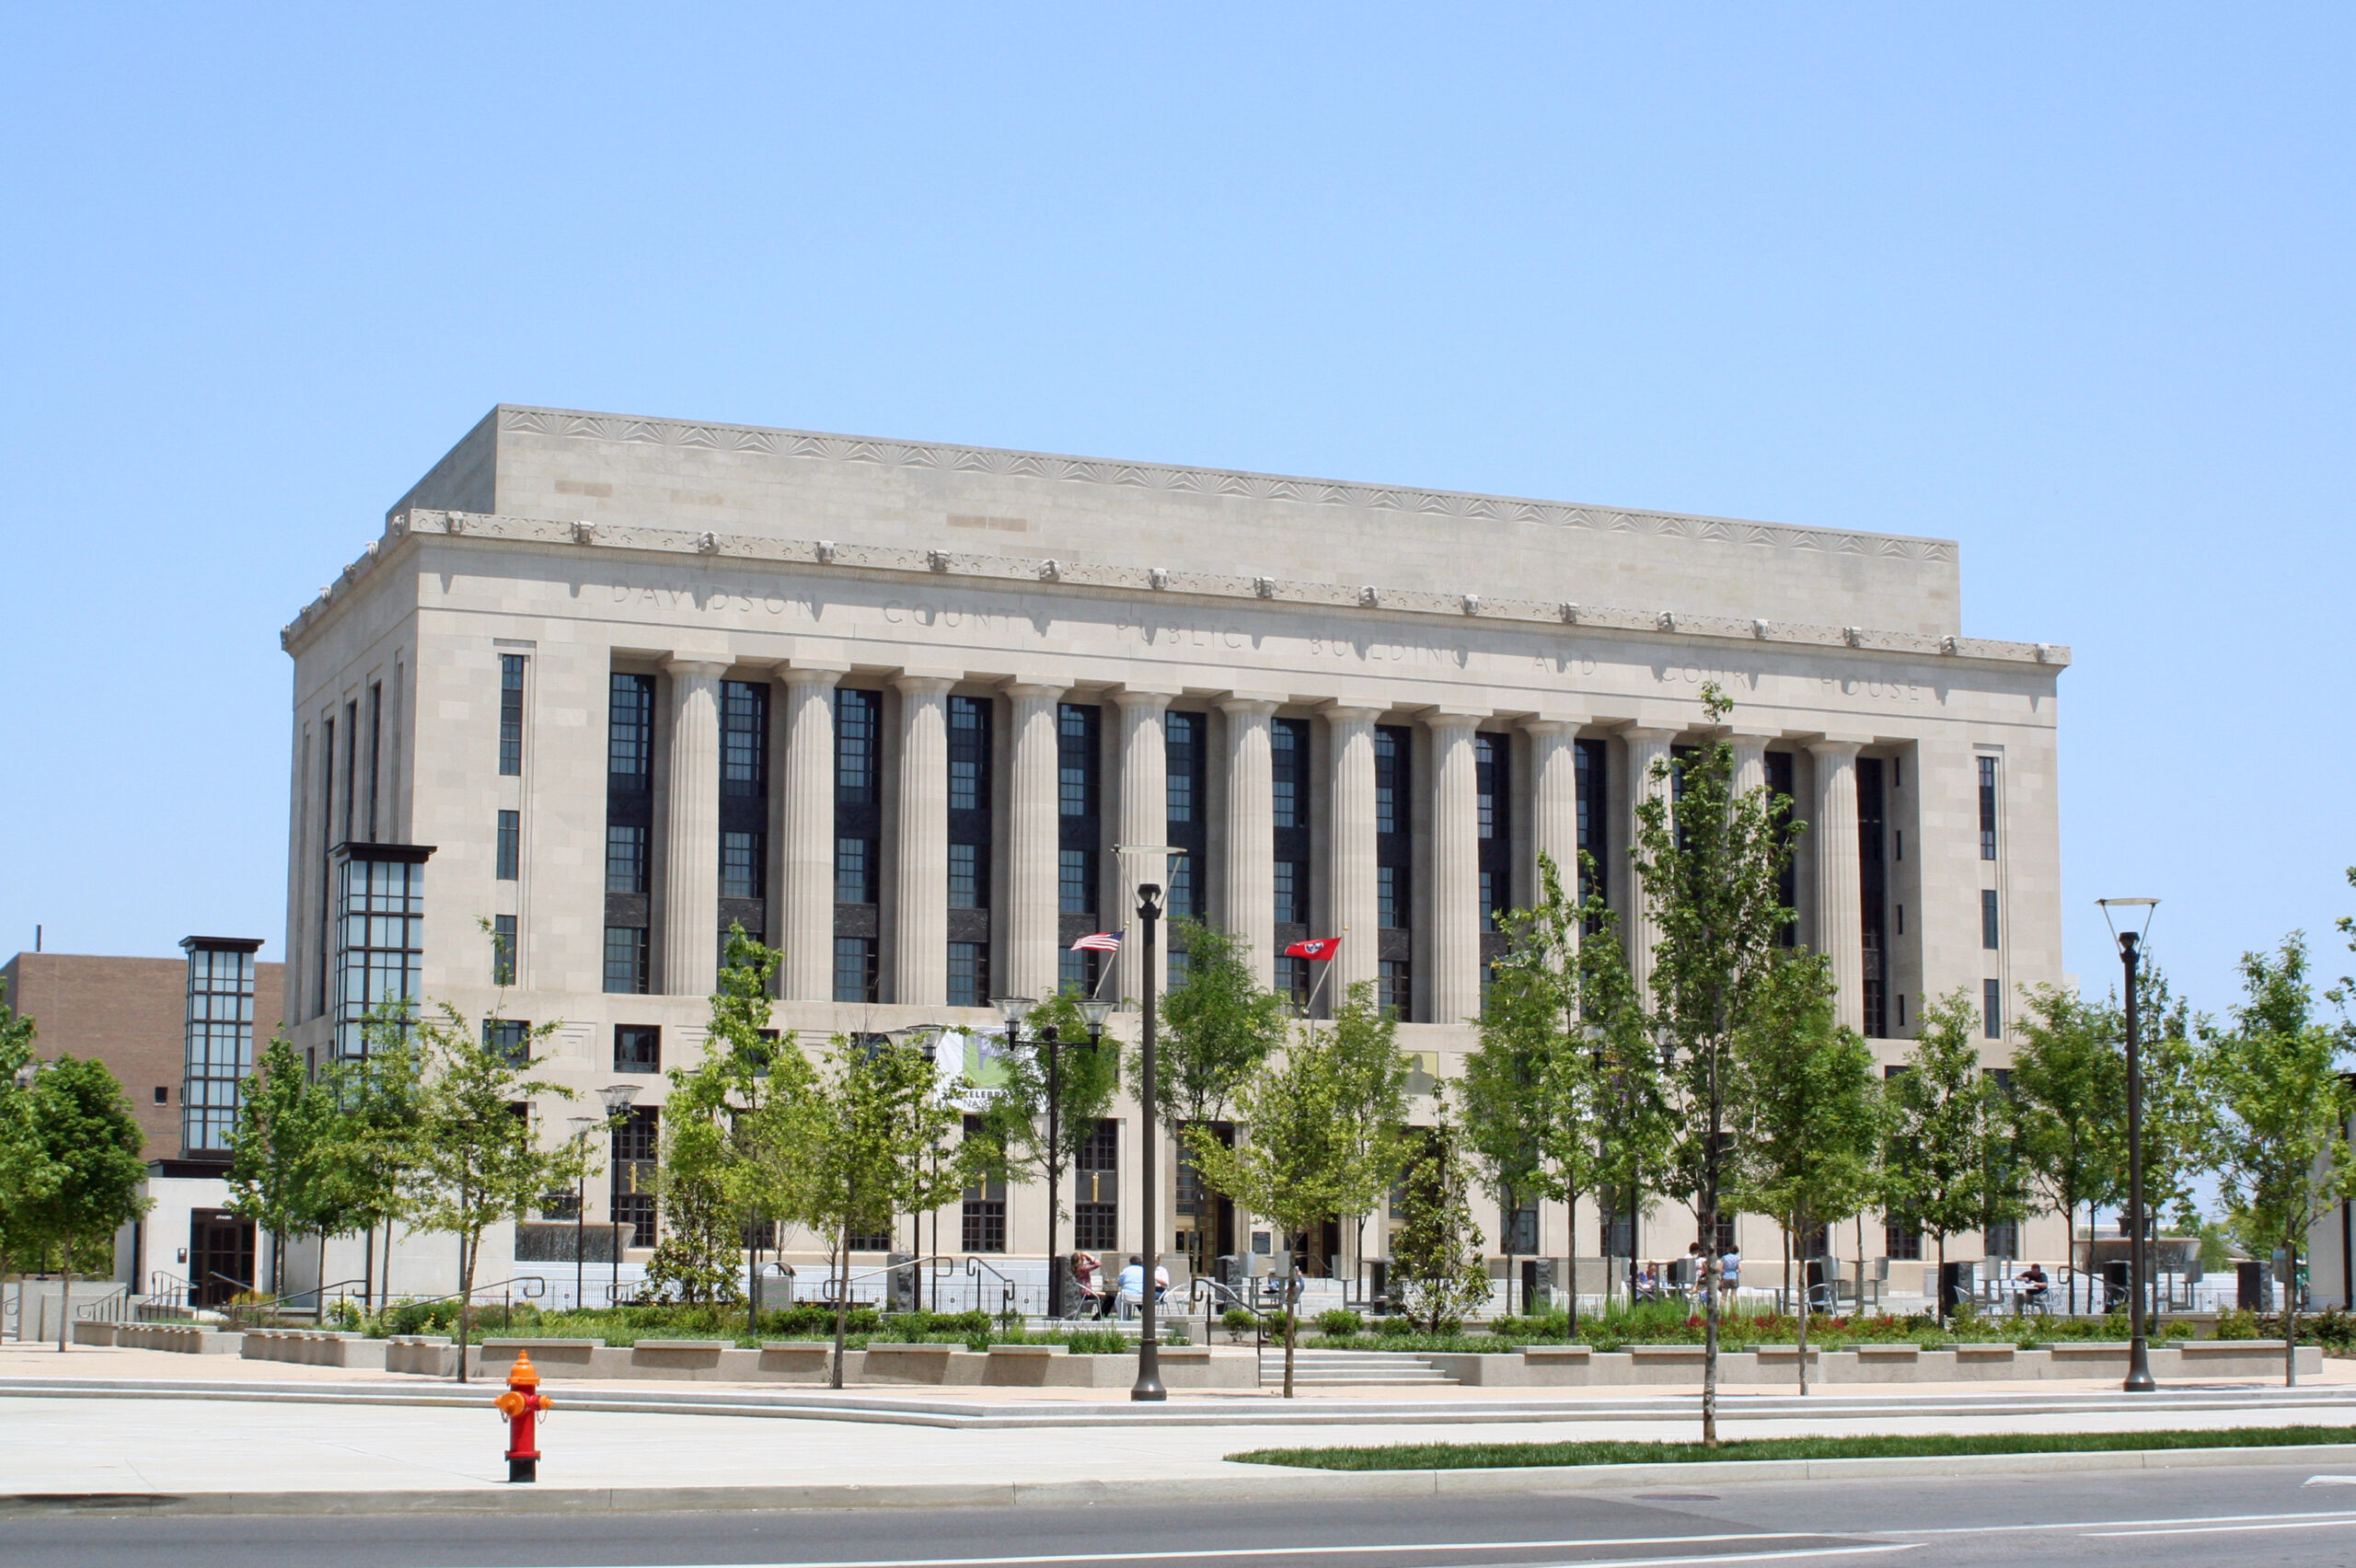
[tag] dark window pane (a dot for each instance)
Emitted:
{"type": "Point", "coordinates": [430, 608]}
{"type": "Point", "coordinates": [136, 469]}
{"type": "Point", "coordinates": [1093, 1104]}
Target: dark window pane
{"type": "Point", "coordinates": [629, 731]}
{"type": "Point", "coordinates": [626, 959]}
{"type": "Point", "coordinates": [855, 977]}
{"type": "Point", "coordinates": [1992, 1009]}
{"type": "Point", "coordinates": [854, 870]}
{"type": "Point", "coordinates": [1987, 808]}
{"type": "Point", "coordinates": [969, 876]}
{"type": "Point", "coordinates": [969, 974]}
{"type": "Point", "coordinates": [1988, 929]}
{"type": "Point", "coordinates": [511, 838]}
{"type": "Point", "coordinates": [1078, 881]}
{"type": "Point", "coordinates": [509, 1039]}
{"type": "Point", "coordinates": [511, 713]}
{"type": "Point", "coordinates": [502, 949]}
{"type": "Point", "coordinates": [625, 859]}
{"type": "Point", "coordinates": [638, 1048]}
{"type": "Point", "coordinates": [744, 738]}
{"type": "Point", "coordinates": [858, 735]}
{"type": "Point", "coordinates": [742, 857]}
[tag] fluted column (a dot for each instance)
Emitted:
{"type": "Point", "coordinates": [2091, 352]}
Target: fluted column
{"type": "Point", "coordinates": [1352, 874]}
{"type": "Point", "coordinates": [920, 878]}
{"type": "Point", "coordinates": [1645, 747]}
{"type": "Point", "coordinates": [806, 898]}
{"type": "Point", "coordinates": [1456, 869]}
{"type": "Point", "coordinates": [1839, 898]}
{"type": "Point", "coordinates": [692, 833]}
{"type": "Point", "coordinates": [1032, 878]}
{"type": "Point", "coordinates": [1145, 817]}
{"type": "Point", "coordinates": [1249, 878]}
{"type": "Point", "coordinates": [1554, 801]}
{"type": "Point", "coordinates": [1750, 763]}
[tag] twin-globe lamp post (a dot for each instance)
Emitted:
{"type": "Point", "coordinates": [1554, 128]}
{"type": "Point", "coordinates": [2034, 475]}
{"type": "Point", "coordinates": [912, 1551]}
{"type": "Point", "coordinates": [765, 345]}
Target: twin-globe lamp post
{"type": "Point", "coordinates": [1015, 1010]}
{"type": "Point", "coordinates": [2130, 955]}
{"type": "Point", "coordinates": [617, 1098]}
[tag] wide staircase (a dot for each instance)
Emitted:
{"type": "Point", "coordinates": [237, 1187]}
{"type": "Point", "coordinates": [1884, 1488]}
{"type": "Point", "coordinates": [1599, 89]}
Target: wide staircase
{"type": "Point", "coordinates": [1343, 1368]}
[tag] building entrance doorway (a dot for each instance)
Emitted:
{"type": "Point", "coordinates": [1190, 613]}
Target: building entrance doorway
{"type": "Point", "coordinates": [220, 1257]}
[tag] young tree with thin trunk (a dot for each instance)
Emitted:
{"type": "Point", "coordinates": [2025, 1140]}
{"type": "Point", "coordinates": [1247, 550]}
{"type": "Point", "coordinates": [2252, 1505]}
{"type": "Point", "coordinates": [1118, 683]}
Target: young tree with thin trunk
{"type": "Point", "coordinates": [277, 1148]}
{"type": "Point", "coordinates": [1015, 1123]}
{"type": "Point", "coordinates": [24, 1175]}
{"type": "Point", "coordinates": [86, 1141]}
{"type": "Point", "coordinates": [1711, 868]}
{"type": "Point", "coordinates": [1217, 1024]}
{"type": "Point", "coordinates": [872, 1119]}
{"type": "Point", "coordinates": [1810, 1125]}
{"type": "Point", "coordinates": [1436, 1270]}
{"type": "Point", "coordinates": [2069, 1085]}
{"type": "Point", "coordinates": [368, 1157]}
{"type": "Point", "coordinates": [1320, 1127]}
{"type": "Point", "coordinates": [477, 1159]}
{"type": "Point", "coordinates": [2277, 1115]}
{"type": "Point", "coordinates": [1943, 1115]}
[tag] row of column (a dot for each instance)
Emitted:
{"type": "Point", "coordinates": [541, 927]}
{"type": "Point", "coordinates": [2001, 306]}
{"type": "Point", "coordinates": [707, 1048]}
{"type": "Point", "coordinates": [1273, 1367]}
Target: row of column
{"type": "Point", "coordinates": [805, 901]}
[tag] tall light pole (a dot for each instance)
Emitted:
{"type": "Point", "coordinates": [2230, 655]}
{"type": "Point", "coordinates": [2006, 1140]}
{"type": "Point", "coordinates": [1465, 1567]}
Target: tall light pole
{"type": "Point", "coordinates": [616, 1098]}
{"type": "Point", "coordinates": [1149, 1384]}
{"type": "Point", "coordinates": [581, 1125]}
{"type": "Point", "coordinates": [2130, 954]}
{"type": "Point", "coordinates": [1014, 1009]}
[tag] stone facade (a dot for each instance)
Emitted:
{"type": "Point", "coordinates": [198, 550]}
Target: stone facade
{"type": "Point", "coordinates": [1382, 689]}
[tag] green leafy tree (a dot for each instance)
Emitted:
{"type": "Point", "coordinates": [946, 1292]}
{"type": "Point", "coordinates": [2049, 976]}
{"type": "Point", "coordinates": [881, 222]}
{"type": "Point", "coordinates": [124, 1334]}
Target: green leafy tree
{"type": "Point", "coordinates": [1321, 1128]}
{"type": "Point", "coordinates": [1944, 1113]}
{"type": "Point", "coordinates": [24, 1173]}
{"type": "Point", "coordinates": [1013, 1136]}
{"type": "Point", "coordinates": [1217, 1024]}
{"type": "Point", "coordinates": [1436, 1271]}
{"type": "Point", "coordinates": [2279, 1110]}
{"type": "Point", "coordinates": [278, 1149]}
{"type": "Point", "coordinates": [478, 1158]}
{"type": "Point", "coordinates": [873, 1118]}
{"type": "Point", "coordinates": [1810, 1131]}
{"type": "Point", "coordinates": [711, 1180]}
{"type": "Point", "coordinates": [1635, 1118]}
{"type": "Point", "coordinates": [1505, 1114]}
{"type": "Point", "coordinates": [88, 1142]}
{"type": "Point", "coordinates": [2070, 1088]}
{"type": "Point", "coordinates": [367, 1160]}
{"type": "Point", "coordinates": [2176, 1100]}
{"type": "Point", "coordinates": [1712, 868]}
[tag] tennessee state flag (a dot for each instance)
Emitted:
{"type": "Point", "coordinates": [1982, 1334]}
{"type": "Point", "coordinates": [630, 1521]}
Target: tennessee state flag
{"type": "Point", "coordinates": [1319, 948]}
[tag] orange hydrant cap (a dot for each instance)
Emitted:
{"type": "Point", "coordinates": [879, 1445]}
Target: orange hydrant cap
{"type": "Point", "coordinates": [522, 1375]}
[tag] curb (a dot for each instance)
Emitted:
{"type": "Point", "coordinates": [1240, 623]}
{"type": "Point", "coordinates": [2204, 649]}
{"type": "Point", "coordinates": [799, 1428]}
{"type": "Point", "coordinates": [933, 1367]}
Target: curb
{"type": "Point", "coordinates": [1233, 1485]}
{"type": "Point", "coordinates": [879, 1407]}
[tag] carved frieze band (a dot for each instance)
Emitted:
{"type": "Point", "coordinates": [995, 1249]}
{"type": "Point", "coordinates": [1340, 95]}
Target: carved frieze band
{"type": "Point", "coordinates": [1018, 571]}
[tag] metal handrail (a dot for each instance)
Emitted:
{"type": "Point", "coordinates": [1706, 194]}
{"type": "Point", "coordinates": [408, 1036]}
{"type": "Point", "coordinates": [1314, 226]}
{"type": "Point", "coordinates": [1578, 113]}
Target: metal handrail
{"type": "Point", "coordinates": [93, 1313]}
{"type": "Point", "coordinates": [318, 1293]}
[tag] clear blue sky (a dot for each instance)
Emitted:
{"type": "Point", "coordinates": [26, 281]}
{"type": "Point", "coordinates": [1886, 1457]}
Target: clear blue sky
{"type": "Point", "coordinates": [2074, 289]}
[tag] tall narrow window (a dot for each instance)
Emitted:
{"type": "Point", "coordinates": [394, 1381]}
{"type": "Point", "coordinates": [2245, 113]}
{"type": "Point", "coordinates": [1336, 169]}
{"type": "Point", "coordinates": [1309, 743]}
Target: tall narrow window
{"type": "Point", "coordinates": [511, 713]}
{"type": "Point", "coordinates": [744, 810]}
{"type": "Point", "coordinates": [379, 938]}
{"type": "Point", "coordinates": [502, 949]}
{"type": "Point", "coordinates": [327, 855]}
{"type": "Point", "coordinates": [1186, 756]}
{"type": "Point", "coordinates": [969, 823]}
{"type": "Point", "coordinates": [1493, 787]}
{"type": "Point", "coordinates": [1080, 834]}
{"type": "Point", "coordinates": [376, 750]}
{"type": "Point", "coordinates": [1594, 782]}
{"type": "Point", "coordinates": [1292, 980]}
{"type": "Point", "coordinates": [1787, 885]}
{"type": "Point", "coordinates": [1872, 894]}
{"type": "Point", "coordinates": [859, 823]}
{"type": "Point", "coordinates": [351, 766]}
{"type": "Point", "coordinates": [637, 1148]}
{"type": "Point", "coordinates": [1397, 996]}
{"type": "Point", "coordinates": [1289, 778]}
{"type": "Point", "coordinates": [984, 1216]}
{"type": "Point", "coordinates": [630, 819]}
{"type": "Point", "coordinates": [743, 738]}
{"type": "Point", "coordinates": [1095, 1216]}
{"type": "Point", "coordinates": [1987, 808]}
{"type": "Point", "coordinates": [510, 844]}
{"type": "Point", "coordinates": [218, 1047]}
{"type": "Point", "coordinates": [1989, 934]}
{"type": "Point", "coordinates": [1394, 861]}
{"type": "Point", "coordinates": [1992, 1009]}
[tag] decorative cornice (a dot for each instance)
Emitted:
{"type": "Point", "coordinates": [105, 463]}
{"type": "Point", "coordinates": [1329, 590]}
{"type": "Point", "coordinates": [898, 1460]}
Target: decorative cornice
{"type": "Point", "coordinates": [475, 530]}
{"type": "Point", "coordinates": [1465, 504]}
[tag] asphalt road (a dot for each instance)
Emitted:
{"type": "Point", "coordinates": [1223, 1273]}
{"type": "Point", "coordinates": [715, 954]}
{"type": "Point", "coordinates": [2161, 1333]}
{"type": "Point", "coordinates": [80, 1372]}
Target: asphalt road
{"type": "Point", "coordinates": [2236, 1514]}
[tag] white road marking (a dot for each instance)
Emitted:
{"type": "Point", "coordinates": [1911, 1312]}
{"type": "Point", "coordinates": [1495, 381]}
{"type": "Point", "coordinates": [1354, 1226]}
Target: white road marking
{"type": "Point", "coordinates": [2331, 1516]}
{"type": "Point", "coordinates": [1322, 1551]}
{"type": "Point", "coordinates": [2225, 1529]}
{"type": "Point", "coordinates": [2329, 1480]}
{"type": "Point", "coordinates": [1788, 1555]}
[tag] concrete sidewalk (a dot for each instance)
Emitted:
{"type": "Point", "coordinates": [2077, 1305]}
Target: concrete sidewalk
{"type": "Point", "coordinates": [241, 1449]}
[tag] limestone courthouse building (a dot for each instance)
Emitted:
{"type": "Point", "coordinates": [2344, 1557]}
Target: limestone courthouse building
{"type": "Point", "coordinates": [610, 683]}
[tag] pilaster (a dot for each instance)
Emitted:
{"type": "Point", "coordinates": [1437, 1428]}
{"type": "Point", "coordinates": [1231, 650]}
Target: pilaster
{"type": "Point", "coordinates": [691, 837]}
{"type": "Point", "coordinates": [1145, 810]}
{"type": "Point", "coordinates": [921, 881]}
{"type": "Point", "coordinates": [1840, 899]}
{"type": "Point", "coordinates": [806, 893]}
{"type": "Point", "coordinates": [1456, 869]}
{"type": "Point", "coordinates": [1031, 962]}
{"type": "Point", "coordinates": [1250, 883]}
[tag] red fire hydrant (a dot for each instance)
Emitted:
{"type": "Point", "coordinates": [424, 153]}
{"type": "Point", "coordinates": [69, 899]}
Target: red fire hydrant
{"type": "Point", "coordinates": [521, 1403]}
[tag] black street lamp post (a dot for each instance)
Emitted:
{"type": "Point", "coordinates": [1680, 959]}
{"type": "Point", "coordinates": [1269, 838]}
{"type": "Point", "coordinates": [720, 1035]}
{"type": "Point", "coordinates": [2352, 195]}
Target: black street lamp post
{"type": "Point", "coordinates": [581, 1125]}
{"type": "Point", "coordinates": [616, 1098]}
{"type": "Point", "coordinates": [2130, 954]}
{"type": "Point", "coordinates": [1148, 1385]}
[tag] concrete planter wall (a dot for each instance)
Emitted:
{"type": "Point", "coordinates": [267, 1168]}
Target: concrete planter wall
{"type": "Point", "coordinates": [187, 1339]}
{"type": "Point", "coordinates": [1577, 1366]}
{"type": "Point", "coordinates": [313, 1347]}
{"type": "Point", "coordinates": [932, 1366]}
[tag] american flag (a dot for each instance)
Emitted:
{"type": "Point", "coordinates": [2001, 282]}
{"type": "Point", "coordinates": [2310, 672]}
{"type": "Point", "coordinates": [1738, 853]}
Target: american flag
{"type": "Point", "coordinates": [1099, 941]}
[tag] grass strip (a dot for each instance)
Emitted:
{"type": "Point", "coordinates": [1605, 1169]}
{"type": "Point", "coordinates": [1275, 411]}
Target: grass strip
{"type": "Point", "coordinates": [1509, 1456]}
